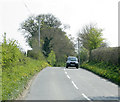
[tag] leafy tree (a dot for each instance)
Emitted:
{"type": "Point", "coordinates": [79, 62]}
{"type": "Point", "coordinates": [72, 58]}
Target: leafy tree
{"type": "Point", "coordinates": [46, 47]}
{"type": "Point", "coordinates": [91, 38]}
{"type": "Point", "coordinates": [52, 36]}
{"type": "Point", "coordinates": [30, 27]}
{"type": "Point", "coordinates": [51, 58]}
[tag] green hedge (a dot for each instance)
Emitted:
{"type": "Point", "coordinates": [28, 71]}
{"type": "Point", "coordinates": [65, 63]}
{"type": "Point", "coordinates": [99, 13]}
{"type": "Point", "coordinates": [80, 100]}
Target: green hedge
{"type": "Point", "coordinates": [109, 55]}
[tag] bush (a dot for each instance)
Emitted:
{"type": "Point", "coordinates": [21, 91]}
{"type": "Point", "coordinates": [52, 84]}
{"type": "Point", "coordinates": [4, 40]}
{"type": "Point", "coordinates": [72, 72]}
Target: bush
{"type": "Point", "coordinates": [10, 53]}
{"type": "Point", "coordinates": [108, 55]}
{"type": "Point", "coordinates": [35, 54]}
{"type": "Point", "coordinates": [51, 58]}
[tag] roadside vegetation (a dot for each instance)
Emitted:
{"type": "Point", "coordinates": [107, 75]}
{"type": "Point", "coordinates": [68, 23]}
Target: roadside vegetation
{"type": "Point", "coordinates": [108, 71]}
{"type": "Point", "coordinates": [17, 69]}
{"type": "Point", "coordinates": [0, 72]}
{"type": "Point", "coordinates": [96, 56]}
{"type": "Point", "coordinates": [53, 38]}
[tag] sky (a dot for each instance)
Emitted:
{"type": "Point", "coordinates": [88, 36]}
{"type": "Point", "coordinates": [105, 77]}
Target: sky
{"type": "Point", "coordinates": [75, 13]}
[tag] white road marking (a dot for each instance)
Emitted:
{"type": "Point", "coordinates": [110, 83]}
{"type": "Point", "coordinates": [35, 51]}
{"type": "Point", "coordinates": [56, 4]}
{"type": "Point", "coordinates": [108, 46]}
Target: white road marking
{"type": "Point", "coordinates": [85, 96]}
{"type": "Point", "coordinates": [74, 85]}
{"type": "Point", "coordinates": [65, 72]}
{"type": "Point", "coordinates": [68, 76]}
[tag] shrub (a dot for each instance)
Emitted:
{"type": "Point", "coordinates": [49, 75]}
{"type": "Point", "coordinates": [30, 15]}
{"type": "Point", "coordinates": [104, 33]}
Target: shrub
{"type": "Point", "coordinates": [51, 58]}
{"type": "Point", "coordinates": [109, 55]}
{"type": "Point", "coordinates": [35, 54]}
{"type": "Point", "coordinates": [10, 53]}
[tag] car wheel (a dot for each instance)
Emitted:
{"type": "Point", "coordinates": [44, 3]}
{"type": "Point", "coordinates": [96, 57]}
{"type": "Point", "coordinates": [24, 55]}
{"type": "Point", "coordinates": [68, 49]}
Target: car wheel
{"type": "Point", "coordinates": [77, 67]}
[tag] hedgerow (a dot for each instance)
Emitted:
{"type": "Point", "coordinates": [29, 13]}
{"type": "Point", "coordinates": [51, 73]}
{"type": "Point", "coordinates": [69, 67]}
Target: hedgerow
{"type": "Point", "coordinates": [106, 63]}
{"type": "Point", "coordinates": [108, 71]}
{"type": "Point", "coordinates": [108, 55]}
{"type": "Point", "coordinates": [17, 69]}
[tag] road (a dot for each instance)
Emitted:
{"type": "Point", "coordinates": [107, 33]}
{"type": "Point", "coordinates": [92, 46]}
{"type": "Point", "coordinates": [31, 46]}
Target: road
{"type": "Point", "coordinates": [59, 83]}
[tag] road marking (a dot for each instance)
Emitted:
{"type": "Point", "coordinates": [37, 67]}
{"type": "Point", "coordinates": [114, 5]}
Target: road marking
{"type": "Point", "coordinates": [68, 76]}
{"type": "Point", "coordinates": [65, 72]}
{"type": "Point", "coordinates": [85, 96]}
{"type": "Point", "coordinates": [74, 85]}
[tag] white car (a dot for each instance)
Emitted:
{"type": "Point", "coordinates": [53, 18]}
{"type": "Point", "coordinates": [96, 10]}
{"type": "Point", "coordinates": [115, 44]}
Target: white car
{"type": "Point", "coordinates": [72, 62]}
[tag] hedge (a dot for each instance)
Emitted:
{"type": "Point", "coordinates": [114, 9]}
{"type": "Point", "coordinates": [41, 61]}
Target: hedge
{"type": "Point", "coordinates": [109, 55]}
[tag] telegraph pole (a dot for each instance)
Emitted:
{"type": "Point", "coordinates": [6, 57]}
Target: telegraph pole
{"type": "Point", "coordinates": [79, 52]}
{"type": "Point", "coordinates": [39, 32]}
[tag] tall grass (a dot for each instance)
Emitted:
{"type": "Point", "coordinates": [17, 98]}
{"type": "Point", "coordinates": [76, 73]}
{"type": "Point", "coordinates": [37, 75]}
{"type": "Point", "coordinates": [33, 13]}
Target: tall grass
{"type": "Point", "coordinates": [15, 78]}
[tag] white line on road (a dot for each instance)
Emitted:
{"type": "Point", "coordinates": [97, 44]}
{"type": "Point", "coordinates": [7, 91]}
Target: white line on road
{"type": "Point", "coordinates": [65, 72]}
{"type": "Point", "coordinates": [85, 96]}
{"type": "Point", "coordinates": [68, 76]}
{"type": "Point", "coordinates": [74, 85]}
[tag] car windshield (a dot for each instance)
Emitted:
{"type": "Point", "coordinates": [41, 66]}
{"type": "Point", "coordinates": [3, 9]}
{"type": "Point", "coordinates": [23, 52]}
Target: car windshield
{"type": "Point", "coordinates": [72, 59]}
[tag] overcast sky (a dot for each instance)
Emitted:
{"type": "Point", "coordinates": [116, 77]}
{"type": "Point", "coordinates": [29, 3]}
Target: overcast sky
{"type": "Point", "coordinates": [75, 13]}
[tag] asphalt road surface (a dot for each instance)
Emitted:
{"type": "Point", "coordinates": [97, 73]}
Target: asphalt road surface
{"type": "Point", "coordinates": [59, 83]}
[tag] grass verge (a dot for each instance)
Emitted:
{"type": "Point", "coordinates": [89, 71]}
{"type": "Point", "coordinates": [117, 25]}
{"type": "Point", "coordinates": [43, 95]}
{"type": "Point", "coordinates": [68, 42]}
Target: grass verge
{"type": "Point", "coordinates": [108, 71]}
{"type": "Point", "coordinates": [15, 78]}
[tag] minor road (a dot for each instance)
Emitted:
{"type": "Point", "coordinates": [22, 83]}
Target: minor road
{"type": "Point", "coordinates": [59, 83]}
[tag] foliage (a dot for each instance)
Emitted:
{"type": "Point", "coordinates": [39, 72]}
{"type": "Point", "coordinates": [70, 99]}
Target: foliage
{"type": "Point", "coordinates": [0, 73]}
{"type": "Point", "coordinates": [46, 46]}
{"type": "Point", "coordinates": [51, 58]}
{"type": "Point", "coordinates": [15, 79]}
{"type": "Point", "coordinates": [90, 37]}
{"type": "Point", "coordinates": [17, 69]}
{"type": "Point", "coordinates": [30, 27]}
{"type": "Point", "coordinates": [108, 71]}
{"type": "Point", "coordinates": [83, 55]}
{"type": "Point", "coordinates": [109, 55]}
{"type": "Point", "coordinates": [52, 36]}
{"type": "Point", "coordinates": [10, 53]}
{"type": "Point", "coordinates": [35, 54]}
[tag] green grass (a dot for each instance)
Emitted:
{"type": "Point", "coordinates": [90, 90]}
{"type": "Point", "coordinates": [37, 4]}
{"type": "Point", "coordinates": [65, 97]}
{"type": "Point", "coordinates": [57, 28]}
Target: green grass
{"type": "Point", "coordinates": [15, 78]}
{"type": "Point", "coordinates": [108, 71]}
{"type": "Point", "coordinates": [0, 73]}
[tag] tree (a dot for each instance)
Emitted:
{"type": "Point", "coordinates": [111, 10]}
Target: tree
{"type": "Point", "coordinates": [30, 27]}
{"type": "Point", "coordinates": [91, 38]}
{"type": "Point", "coordinates": [52, 36]}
